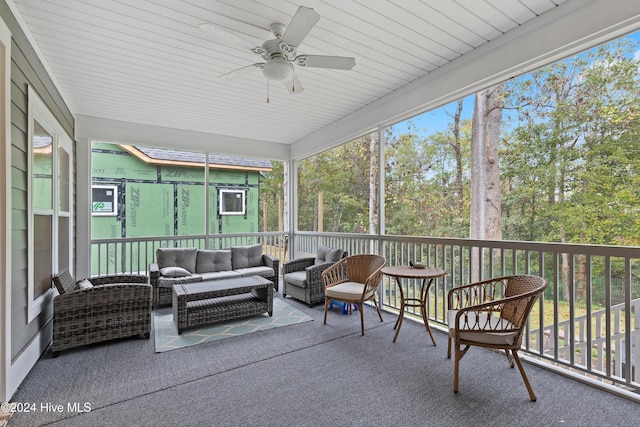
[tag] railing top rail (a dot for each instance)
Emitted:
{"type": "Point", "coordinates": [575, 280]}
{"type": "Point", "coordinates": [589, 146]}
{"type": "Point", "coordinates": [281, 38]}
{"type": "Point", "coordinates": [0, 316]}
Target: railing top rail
{"type": "Point", "coordinates": [184, 237]}
{"type": "Point", "coordinates": [578, 248]}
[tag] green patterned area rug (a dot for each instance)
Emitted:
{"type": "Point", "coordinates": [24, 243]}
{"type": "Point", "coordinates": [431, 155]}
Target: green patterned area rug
{"type": "Point", "coordinates": [167, 338]}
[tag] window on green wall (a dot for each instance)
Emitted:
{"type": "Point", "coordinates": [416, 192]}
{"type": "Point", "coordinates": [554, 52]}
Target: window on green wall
{"type": "Point", "coordinates": [232, 202]}
{"type": "Point", "coordinates": [104, 200]}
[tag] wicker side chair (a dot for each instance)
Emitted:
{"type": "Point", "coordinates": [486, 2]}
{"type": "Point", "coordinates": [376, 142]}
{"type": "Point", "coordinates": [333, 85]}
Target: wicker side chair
{"type": "Point", "coordinates": [302, 277]}
{"type": "Point", "coordinates": [99, 309]}
{"type": "Point", "coordinates": [353, 280]}
{"type": "Point", "coordinates": [492, 314]}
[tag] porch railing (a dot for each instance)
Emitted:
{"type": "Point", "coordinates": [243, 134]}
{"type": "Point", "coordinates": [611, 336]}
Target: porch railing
{"type": "Point", "coordinates": [134, 254]}
{"type": "Point", "coordinates": [585, 327]}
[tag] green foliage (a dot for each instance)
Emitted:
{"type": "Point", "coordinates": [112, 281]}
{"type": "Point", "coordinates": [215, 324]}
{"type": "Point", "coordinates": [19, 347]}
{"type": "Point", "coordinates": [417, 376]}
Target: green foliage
{"type": "Point", "coordinates": [569, 162]}
{"type": "Point", "coordinates": [422, 197]}
{"type": "Point", "coordinates": [272, 197]}
{"type": "Point", "coordinates": [342, 176]}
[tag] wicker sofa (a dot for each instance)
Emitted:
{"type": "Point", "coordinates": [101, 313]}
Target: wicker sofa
{"type": "Point", "coordinates": [100, 308]}
{"type": "Point", "coordinates": [179, 266]}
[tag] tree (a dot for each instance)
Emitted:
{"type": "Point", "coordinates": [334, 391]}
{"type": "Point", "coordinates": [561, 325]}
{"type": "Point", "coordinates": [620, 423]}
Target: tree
{"type": "Point", "coordinates": [569, 155]}
{"type": "Point", "coordinates": [272, 198]}
{"type": "Point", "coordinates": [576, 120]}
{"type": "Point", "coordinates": [342, 175]}
{"type": "Point", "coordinates": [373, 183]}
{"type": "Point", "coordinates": [486, 210]}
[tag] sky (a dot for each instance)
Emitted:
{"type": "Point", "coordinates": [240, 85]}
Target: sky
{"type": "Point", "coordinates": [438, 120]}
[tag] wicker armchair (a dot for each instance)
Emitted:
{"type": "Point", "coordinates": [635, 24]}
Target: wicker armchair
{"type": "Point", "coordinates": [302, 277]}
{"type": "Point", "coordinates": [492, 314]}
{"type": "Point", "coordinates": [108, 307]}
{"type": "Point", "coordinates": [354, 280]}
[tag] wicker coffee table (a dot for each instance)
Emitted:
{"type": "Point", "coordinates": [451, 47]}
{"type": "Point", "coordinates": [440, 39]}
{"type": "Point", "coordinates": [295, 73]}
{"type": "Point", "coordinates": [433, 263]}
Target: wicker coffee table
{"type": "Point", "coordinates": [211, 301]}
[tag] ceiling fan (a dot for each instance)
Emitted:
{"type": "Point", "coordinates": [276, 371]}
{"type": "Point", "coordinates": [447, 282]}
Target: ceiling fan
{"type": "Point", "coordinates": [280, 54]}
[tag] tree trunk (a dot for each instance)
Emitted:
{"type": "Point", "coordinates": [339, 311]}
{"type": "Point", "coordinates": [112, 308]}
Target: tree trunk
{"type": "Point", "coordinates": [373, 186]}
{"type": "Point", "coordinates": [486, 212]}
{"type": "Point", "coordinates": [493, 204]}
{"type": "Point", "coordinates": [477, 167]}
{"type": "Point", "coordinates": [373, 183]}
{"type": "Point", "coordinates": [457, 148]}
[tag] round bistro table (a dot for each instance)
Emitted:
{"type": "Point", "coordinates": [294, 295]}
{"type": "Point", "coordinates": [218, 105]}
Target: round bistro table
{"type": "Point", "coordinates": [428, 275]}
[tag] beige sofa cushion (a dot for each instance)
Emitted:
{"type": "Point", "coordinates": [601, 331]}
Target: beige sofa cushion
{"type": "Point", "coordinates": [347, 290]}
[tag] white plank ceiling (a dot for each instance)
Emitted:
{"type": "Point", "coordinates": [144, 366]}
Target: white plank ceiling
{"type": "Point", "coordinates": [148, 62]}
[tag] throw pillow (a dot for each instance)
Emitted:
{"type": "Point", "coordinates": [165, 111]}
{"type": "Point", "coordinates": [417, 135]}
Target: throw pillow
{"type": "Point", "coordinates": [85, 284]}
{"type": "Point", "coordinates": [246, 256]}
{"type": "Point", "coordinates": [326, 254]}
{"type": "Point", "coordinates": [174, 272]}
{"type": "Point", "coordinates": [177, 257]}
{"type": "Point", "coordinates": [334, 255]}
{"type": "Point", "coordinates": [64, 281]}
{"type": "Point", "coordinates": [321, 255]}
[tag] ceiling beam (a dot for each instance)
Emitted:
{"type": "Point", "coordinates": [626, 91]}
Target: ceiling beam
{"type": "Point", "coordinates": [94, 128]}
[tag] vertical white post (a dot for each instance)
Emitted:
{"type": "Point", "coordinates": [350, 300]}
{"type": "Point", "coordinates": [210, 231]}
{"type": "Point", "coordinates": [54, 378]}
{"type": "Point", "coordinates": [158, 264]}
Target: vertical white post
{"type": "Point", "coordinates": [83, 208]}
{"type": "Point", "coordinates": [5, 211]}
{"type": "Point", "coordinates": [291, 198]}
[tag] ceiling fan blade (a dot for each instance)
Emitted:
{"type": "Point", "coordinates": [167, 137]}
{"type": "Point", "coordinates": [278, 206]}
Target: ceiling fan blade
{"type": "Point", "coordinates": [300, 25]}
{"type": "Point", "coordinates": [227, 37]}
{"type": "Point", "coordinates": [241, 71]}
{"type": "Point", "coordinates": [293, 85]}
{"type": "Point", "coordinates": [323, 61]}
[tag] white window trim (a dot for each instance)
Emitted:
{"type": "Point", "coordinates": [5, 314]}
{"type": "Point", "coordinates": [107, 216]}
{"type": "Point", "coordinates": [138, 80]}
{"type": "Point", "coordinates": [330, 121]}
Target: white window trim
{"type": "Point", "coordinates": [114, 201]}
{"type": "Point", "coordinates": [37, 110]}
{"type": "Point", "coordinates": [243, 192]}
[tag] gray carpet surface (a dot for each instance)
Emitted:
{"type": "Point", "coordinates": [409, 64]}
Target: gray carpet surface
{"type": "Point", "coordinates": [307, 374]}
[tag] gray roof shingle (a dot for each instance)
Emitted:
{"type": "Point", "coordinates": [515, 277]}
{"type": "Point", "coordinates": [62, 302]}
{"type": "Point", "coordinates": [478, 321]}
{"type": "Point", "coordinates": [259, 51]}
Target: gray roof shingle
{"type": "Point", "coordinates": [195, 157]}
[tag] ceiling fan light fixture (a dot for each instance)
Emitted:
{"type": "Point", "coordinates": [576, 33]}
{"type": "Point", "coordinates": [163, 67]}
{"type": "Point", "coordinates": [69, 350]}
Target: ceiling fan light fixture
{"type": "Point", "coordinates": [277, 69]}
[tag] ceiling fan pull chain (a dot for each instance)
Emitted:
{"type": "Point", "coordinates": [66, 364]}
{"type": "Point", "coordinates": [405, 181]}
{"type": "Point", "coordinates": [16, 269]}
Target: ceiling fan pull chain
{"type": "Point", "coordinates": [267, 91]}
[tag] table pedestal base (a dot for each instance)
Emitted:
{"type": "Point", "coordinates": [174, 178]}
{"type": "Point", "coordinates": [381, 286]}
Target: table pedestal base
{"type": "Point", "coordinates": [414, 302]}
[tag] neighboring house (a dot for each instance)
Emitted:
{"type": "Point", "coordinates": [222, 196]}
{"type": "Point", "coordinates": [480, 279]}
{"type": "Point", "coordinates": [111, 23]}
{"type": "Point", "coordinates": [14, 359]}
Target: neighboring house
{"type": "Point", "coordinates": [151, 192]}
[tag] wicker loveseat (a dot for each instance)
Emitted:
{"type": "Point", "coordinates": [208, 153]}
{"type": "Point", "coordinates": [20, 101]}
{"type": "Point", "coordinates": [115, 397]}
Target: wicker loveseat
{"type": "Point", "coordinates": [179, 266]}
{"type": "Point", "coordinates": [100, 308]}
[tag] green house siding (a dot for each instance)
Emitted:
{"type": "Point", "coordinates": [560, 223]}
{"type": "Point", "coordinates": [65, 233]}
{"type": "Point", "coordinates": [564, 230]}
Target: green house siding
{"type": "Point", "coordinates": [190, 213]}
{"type": "Point", "coordinates": [166, 200]}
